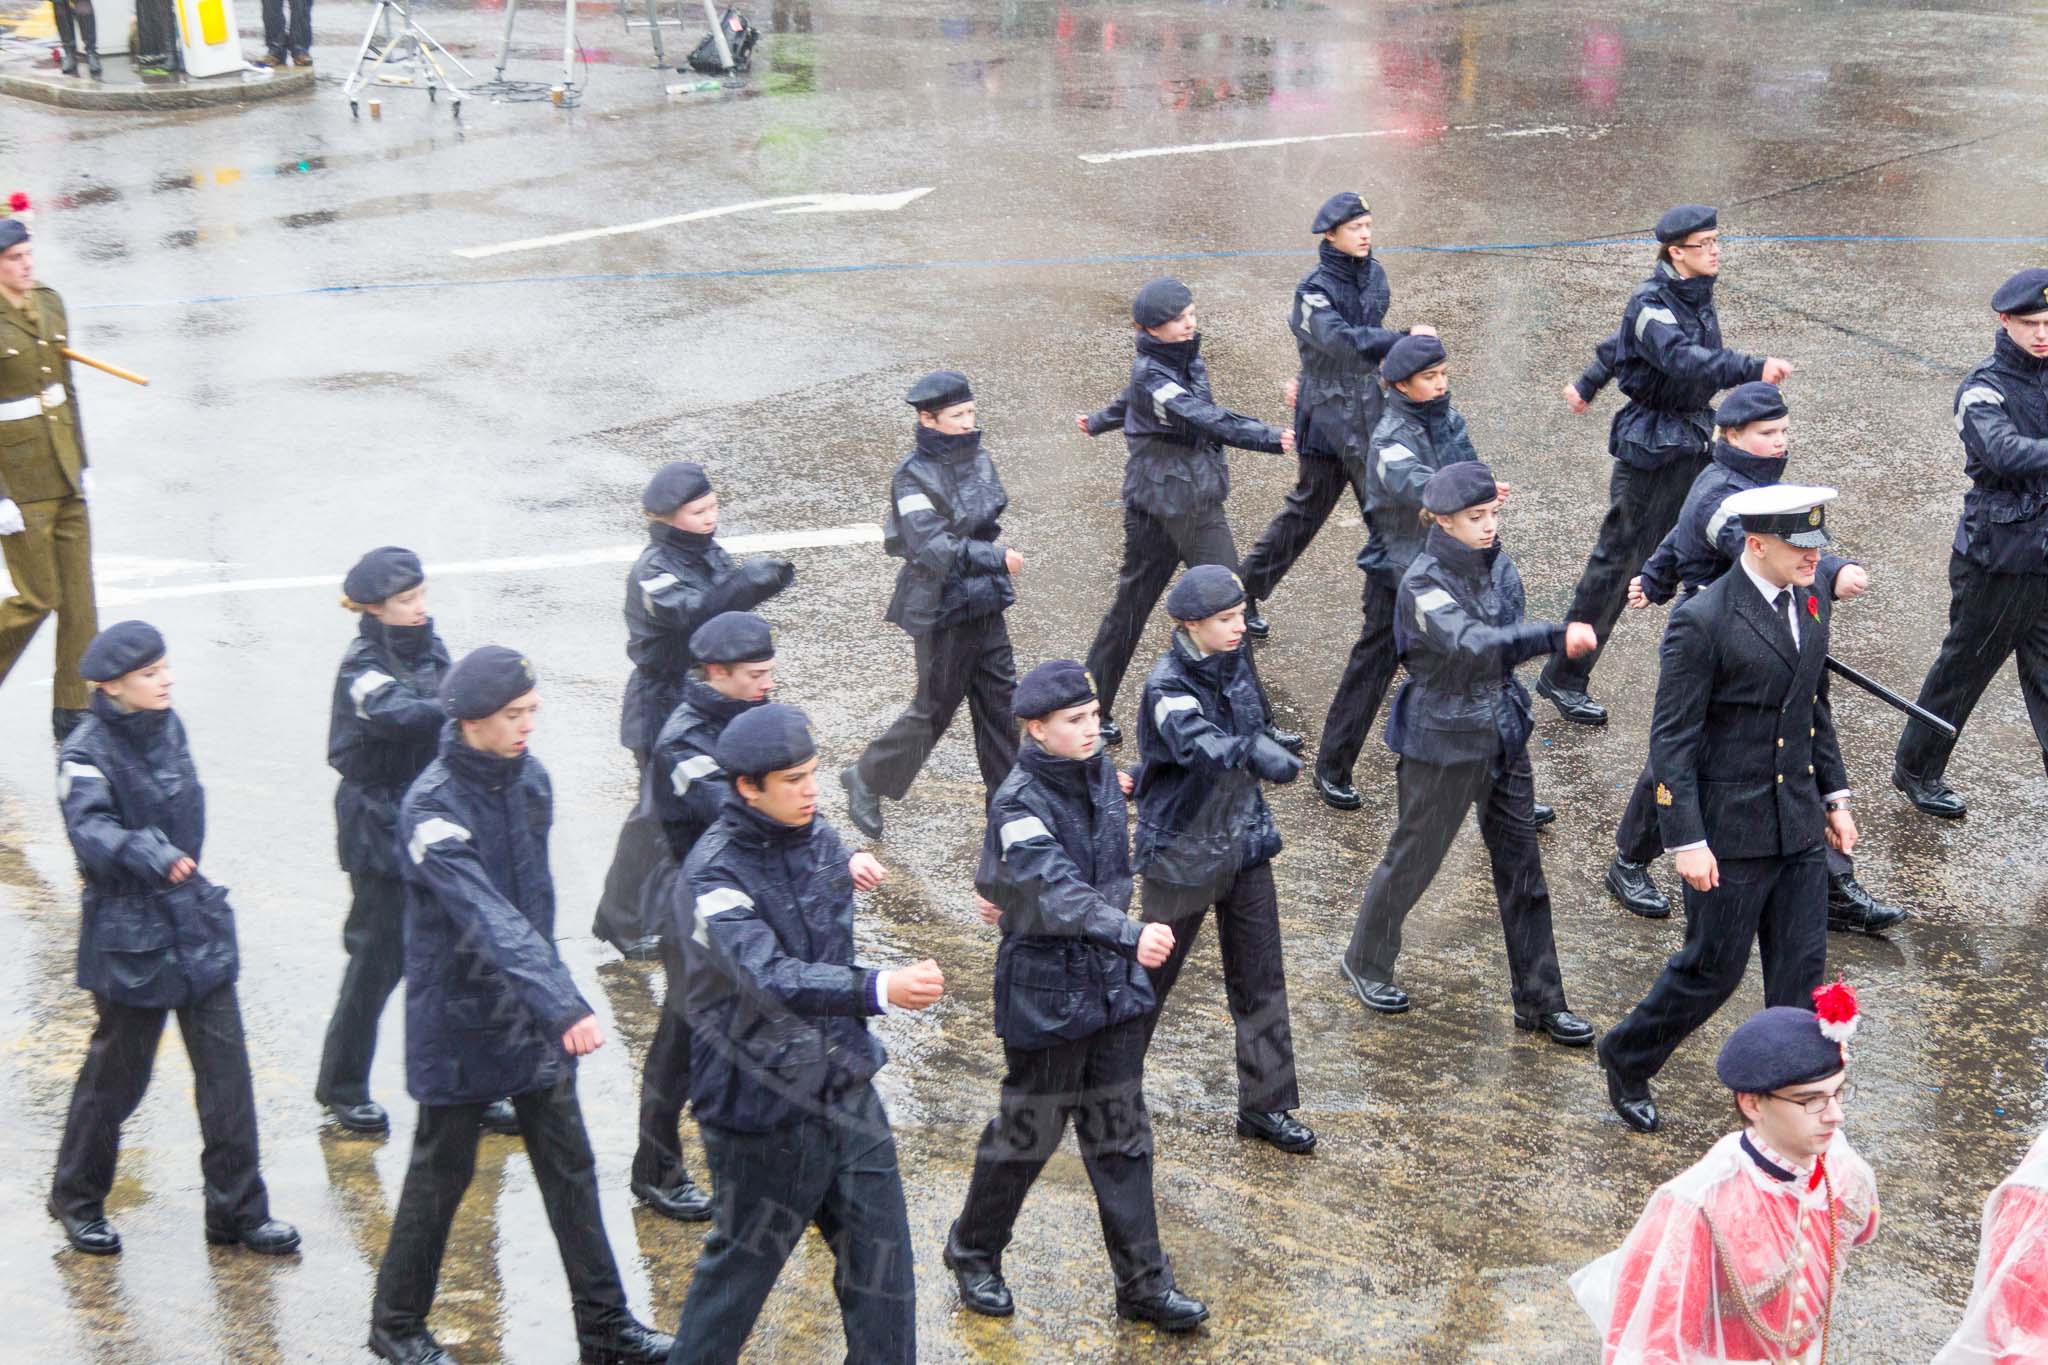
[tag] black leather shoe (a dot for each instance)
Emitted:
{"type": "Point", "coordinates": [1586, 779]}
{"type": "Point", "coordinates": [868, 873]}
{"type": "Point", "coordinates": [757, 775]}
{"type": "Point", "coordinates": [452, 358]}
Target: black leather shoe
{"type": "Point", "coordinates": [1172, 1311]}
{"type": "Point", "coordinates": [1278, 1127]}
{"type": "Point", "coordinates": [1541, 815]}
{"type": "Point", "coordinates": [981, 1290]}
{"type": "Point", "coordinates": [682, 1201]}
{"type": "Point", "coordinates": [267, 1238]}
{"type": "Point", "coordinates": [646, 948]}
{"type": "Point", "coordinates": [93, 1236]}
{"type": "Point", "coordinates": [1930, 794]}
{"type": "Point", "coordinates": [862, 805]}
{"type": "Point", "coordinates": [1382, 997]}
{"type": "Point", "coordinates": [1576, 707]}
{"type": "Point", "coordinates": [1255, 623]}
{"type": "Point", "coordinates": [1562, 1025]}
{"type": "Point", "coordinates": [1853, 910]}
{"type": "Point", "coordinates": [1632, 1101]}
{"type": "Point", "coordinates": [1112, 733]}
{"type": "Point", "coordinates": [1630, 884]}
{"type": "Point", "coordinates": [367, 1117]}
{"type": "Point", "coordinates": [501, 1118]}
{"type": "Point", "coordinates": [1338, 795]}
{"type": "Point", "coordinates": [411, 1348]}
{"type": "Point", "coordinates": [1286, 739]}
{"type": "Point", "coordinates": [618, 1338]}
{"type": "Point", "coordinates": [65, 719]}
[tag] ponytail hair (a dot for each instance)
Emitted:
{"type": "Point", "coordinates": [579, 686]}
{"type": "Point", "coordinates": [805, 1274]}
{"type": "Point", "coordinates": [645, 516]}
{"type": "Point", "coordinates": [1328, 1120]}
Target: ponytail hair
{"type": "Point", "coordinates": [349, 604]}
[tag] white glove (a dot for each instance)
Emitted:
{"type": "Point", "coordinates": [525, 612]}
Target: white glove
{"type": "Point", "coordinates": [11, 523]}
{"type": "Point", "coordinates": [85, 483]}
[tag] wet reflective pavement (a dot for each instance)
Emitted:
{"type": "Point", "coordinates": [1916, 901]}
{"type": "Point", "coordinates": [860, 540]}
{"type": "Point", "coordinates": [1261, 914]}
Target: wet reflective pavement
{"type": "Point", "coordinates": [330, 376]}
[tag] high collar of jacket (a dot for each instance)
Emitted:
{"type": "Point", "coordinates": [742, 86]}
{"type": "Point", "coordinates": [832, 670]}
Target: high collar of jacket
{"type": "Point", "coordinates": [1461, 559]}
{"type": "Point", "coordinates": [1759, 469]}
{"type": "Point", "coordinates": [756, 830]}
{"type": "Point", "coordinates": [1342, 264]}
{"type": "Point", "coordinates": [139, 728]}
{"type": "Point", "coordinates": [1695, 290]}
{"type": "Point", "coordinates": [1071, 775]}
{"type": "Point", "coordinates": [1429, 414]}
{"type": "Point", "coordinates": [675, 537]}
{"type": "Point", "coordinates": [410, 643]}
{"type": "Point", "coordinates": [475, 767]}
{"type": "Point", "coordinates": [1178, 354]}
{"type": "Point", "coordinates": [1216, 668]}
{"type": "Point", "coordinates": [708, 700]}
{"type": "Point", "coordinates": [952, 448]}
{"type": "Point", "coordinates": [2013, 356]}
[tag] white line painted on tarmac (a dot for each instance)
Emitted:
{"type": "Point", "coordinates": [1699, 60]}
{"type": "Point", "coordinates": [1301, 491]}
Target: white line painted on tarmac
{"type": "Point", "coordinates": [788, 203]}
{"type": "Point", "coordinates": [861, 533]}
{"type": "Point", "coordinates": [1192, 148]}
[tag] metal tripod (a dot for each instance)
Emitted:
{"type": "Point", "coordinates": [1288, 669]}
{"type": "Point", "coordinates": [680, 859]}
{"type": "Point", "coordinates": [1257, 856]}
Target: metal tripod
{"type": "Point", "coordinates": [405, 42]}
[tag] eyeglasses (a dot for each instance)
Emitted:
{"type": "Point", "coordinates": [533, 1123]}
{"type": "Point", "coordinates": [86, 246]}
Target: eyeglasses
{"type": "Point", "coordinates": [1707, 245]}
{"type": "Point", "coordinates": [1818, 1104]}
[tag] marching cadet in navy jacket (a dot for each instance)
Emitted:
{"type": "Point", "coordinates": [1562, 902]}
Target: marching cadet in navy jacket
{"type": "Point", "coordinates": [1669, 360]}
{"type": "Point", "coordinates": [1205, 837]}
{"type": "Point", "coordinates": [1420, 434]}
{"type": "Point", "coordinates": [1461, 725]}
{"type": "Point", "coordinates": [782, 1061]}
{"type": "Point", "coordinates": [155, 936]}
{"type": "Point", "coordinates": [1072, 996]}
{"type": "Point", "coordinates": [489, 1011]}
{"type": "Point", "coordinates": [1175, 480]}
{"type": "Point", "coordinates": [681, 580]}
{"type": "Point", "coordinates": [1336, 319]}
{"type": "Point", "coordinates": [1998, 566]}
{"type": "Point", "coordinates": [1750, 785]}
{"type": "Point", "coordinates": [945, 514]}
{"type": "Point", "coordinates": [1705, 544]}
{"type": "Point", "coordinates": [735, 653]}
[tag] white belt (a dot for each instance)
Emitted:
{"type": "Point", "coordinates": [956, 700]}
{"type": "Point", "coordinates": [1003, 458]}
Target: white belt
{"type": "Point", "coordinates": [23, 408]}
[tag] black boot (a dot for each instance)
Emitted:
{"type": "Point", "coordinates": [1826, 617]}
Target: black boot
{"type": "Point", "coordinates": [682, 1201]}
{"type": "Point", "coordinates": [863, 807]}
{"type": "Point", "coordinates": [1290, 740]}
{"type": "Point", "coordinates": [1630, 884]}
{"type": "Point", "coordinates": [89, 30]}
{"type": "Point", "coordinates": [408, 1348]}
{"type": "Point", "coordinates": [500, 1117]}
{"type": "Point", "coordinates": [1112, 733]}
{"type": "Point", "coordinates": [268, 1238]}
{"type": "Point", "coordinates": [1255, 623]}
{"type": "Point", "coordinates": [1930, 794]}
{"type": "Point", "coordinates": [1171, 1311]}
{"type": "Point", "coordinates": [68, 37]}
{"type": "Point", "coordinates": [1573, 705]}
{"type": "Point", "coordinates": [1851, 909]}
{"type": "Point", "coordinates": [1337, 792]}
{"type": "Point", "coordinates": [981, 1287]}
{"type": "Point", "coordinates": [612, 1336]}
{"type": "Point", "coordinates": [94, 1236]}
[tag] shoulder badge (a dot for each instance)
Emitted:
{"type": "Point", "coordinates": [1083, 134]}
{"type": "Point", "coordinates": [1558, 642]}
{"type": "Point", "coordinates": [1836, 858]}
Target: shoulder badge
{"type": "Point", "coordinates": [1663, 795]}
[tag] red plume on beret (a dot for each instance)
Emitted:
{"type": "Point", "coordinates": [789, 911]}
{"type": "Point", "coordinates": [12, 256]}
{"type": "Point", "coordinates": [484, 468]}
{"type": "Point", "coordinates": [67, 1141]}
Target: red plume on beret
{"type": "Point", "coordinates": [17, 202]}
{"type": "Point", "coordinates": [1836, 1006]}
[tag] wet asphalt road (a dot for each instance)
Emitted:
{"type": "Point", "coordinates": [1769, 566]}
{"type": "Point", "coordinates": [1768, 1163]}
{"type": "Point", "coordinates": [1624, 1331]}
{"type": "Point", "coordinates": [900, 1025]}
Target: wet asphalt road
{"type": "Point", "coordinates": [329, 376]}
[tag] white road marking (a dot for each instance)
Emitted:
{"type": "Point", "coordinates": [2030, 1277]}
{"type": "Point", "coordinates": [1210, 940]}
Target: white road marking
{"type": "Point", "coordinates": [1490, 130]}
{"type": "Point", "coordinates": [861, 533]}
{"type": "Point", "coordinates": [788, 203]}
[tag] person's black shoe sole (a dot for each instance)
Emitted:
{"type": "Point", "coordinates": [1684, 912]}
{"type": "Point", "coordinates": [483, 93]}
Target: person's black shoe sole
{"type": "Point", "coordinates": [1561, 1039]}
{"type": "Point", "coordinates": [1338, 795]}
{"type": "Point", "coordinates": [1186, 1324]}
{"type": "Point", "coordinates": [1590, 713]}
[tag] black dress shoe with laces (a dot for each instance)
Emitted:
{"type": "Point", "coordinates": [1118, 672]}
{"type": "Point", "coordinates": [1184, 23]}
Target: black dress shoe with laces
{"type": "Point", "coordinates": [1631, 1100]}
{"type": "Point", "coordinates": [1853, 910]}
{"type": "Point", "coordinates": [1930, 794]}
{"type": "Point", "coordinates": [1562, 1025]}
{"type": "Point", "coordinates": [408, 1348]}
{"type": "Point", "coordinates": [1338, 795]}
{"type": "Point", "coordinates": [267, 1238]}
{"type": "Point", "coordinates": [1255, 623]}
{"type": "Point", "coordinates": [1541, 815]}
{"type": "Point", "coordinates": [616, 1337]}
{"type": "Point", "coordinates": [1172, 1311]}
{"type": "Point", "coordinates": [1112, 733]}
{"type": "Point", "coordinates": [1278, 1127]}
{"type": "Point", "coordinates": [862, 805]}
{"type": "Point", "coordinates": [682, 1201]}
{"type": "Point", "coordinates": [501, 1118]}
{"type": "Point", "coordinates": [981, 1290]}
{"type": "Point", "coordinates": [1381, 997]}
{"type": "Point", "coordinates": [1286, 739]}
{"type": "Point", "coordinates": [94, 1236]}
{"type": "Point", "coordinates": [1576, 707]}
{"type": "Point", "coordinates": [1630, 884]}
{"type": "Point", "coordinates": [367, 1117]}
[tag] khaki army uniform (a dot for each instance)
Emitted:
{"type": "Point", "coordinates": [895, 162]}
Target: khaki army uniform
{"type": "Point", "coordinates": [42, 467]}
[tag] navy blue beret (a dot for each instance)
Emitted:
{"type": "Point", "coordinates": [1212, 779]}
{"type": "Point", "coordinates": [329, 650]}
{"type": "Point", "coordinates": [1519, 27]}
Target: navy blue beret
{"type": "Point", "coordinates": [486, 682]}
{"type": "Point", "coordinates": [1777, 1047]}
{"type": "Point", "coordinates": [1682, 222]}
{"type": "Point", "coordinates": [121, 648]}
{"type": "Point", "coordinates": [1338, 210]}
{"type": "Point", "coordinates": [732, 637]}
{"type": "Point", "coordinates": [939, 390]}
{"type": "Point", "coordinates": [675, 483]}
{"type": "Point", "coordinates": [2024, 294]}
{"type": "Point", "coordinates": [1410, 356]}
{"type": "Point", "coordinates": [766, 740]}
{"type": "Point", "coordinates": [382, 573]}
{"type": "Point", "coordinates": [1751, 402]}
{"type": "Point", "coordinates": [1160, 302]}
{"type": "Point", "coordinates": [1053, 686]}
{"type": "Point", "coordinates": [1203, 591]}
{"type": "Point", "coordinates": [13, 232]}
{"type": "Point", "coordinates": [1462, 484]}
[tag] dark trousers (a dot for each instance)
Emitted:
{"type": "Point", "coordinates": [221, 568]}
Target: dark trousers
{"type": "Point", "coordinates": [374, 938]}
{"type": "Point", "coordinates": [970, 662]}
{"type": "Point", "coordinates": [665, 1083]}
{"type": "Point", "coordinates": [642, 847]}
{"type": "Point", "coordinates": [1363, 686]}
{"type": "Point", "coordinates": [1319, 482]}
{"type": "Point", "coordinates": [1100, 1082]}
{"type": "Point", "coordinates": [112, 1081]}
{"type": "Point", "coordinates": [1639, 838]}
{"type": "Point", "coordinates": [1434, 798]}
{"type": "Point", "coordinates": [1780, 904]}
{"type": "Point", "coordinates": [280, 37]}
{"type": "Point", "coordinates": [444, 1159]}
{"type": "Point", "coordinates": [1643, 506]}
{"type": "Point", "coordinates": [837, 1170]}
{"type": "Point", "coordinates": [50, 562]}
{"type": "Point", "coordinates": [1991, 617]}
{"type": "Point", "coordinates": [1153, 548]}
{"type": "Point", "coordinates": [1254, 976]}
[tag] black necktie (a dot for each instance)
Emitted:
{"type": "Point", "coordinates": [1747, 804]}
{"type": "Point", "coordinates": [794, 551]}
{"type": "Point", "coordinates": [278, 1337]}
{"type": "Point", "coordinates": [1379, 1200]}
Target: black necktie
{"type": "Point", "coordinates": [1783, 603]}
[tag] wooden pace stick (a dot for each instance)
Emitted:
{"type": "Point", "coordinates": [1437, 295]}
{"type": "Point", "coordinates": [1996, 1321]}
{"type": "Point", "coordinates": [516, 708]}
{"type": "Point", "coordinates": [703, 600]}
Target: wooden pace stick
{"type": "Point", "coordinates": [114, 370]}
